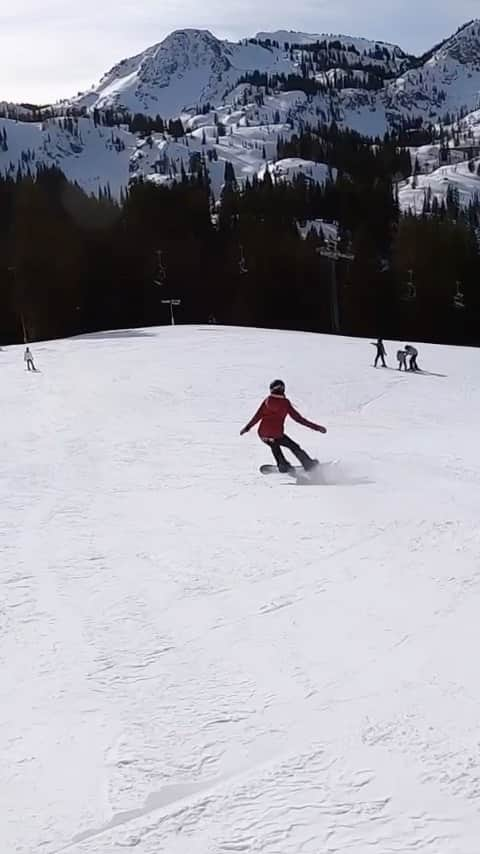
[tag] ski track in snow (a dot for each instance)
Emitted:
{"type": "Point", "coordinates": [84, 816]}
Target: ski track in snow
{"type": "Point", "coordinates": [197, 659]}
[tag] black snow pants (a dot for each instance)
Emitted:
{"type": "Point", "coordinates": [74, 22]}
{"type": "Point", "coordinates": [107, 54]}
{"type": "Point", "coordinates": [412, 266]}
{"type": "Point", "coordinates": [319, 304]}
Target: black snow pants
{"type": "Point", "coordinates": [380, 355]}
{"type": "Point", "coordinates": [276, 446]}
{"type": "Point", "coordinates": [413, 363]}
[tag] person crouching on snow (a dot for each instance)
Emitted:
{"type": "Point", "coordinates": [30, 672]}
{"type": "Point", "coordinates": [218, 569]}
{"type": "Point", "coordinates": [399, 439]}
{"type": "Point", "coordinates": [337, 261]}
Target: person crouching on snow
{"type": "Point", "coordinates": [402, 359]}
{"type": "Point", "coordinates": [272, 414]}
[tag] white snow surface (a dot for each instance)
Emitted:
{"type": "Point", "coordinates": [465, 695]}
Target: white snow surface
{"type": "Point", "coordinates": [199, 659]}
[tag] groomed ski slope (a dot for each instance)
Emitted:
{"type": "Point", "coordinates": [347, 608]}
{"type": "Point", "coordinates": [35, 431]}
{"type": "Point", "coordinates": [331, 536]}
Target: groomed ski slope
{"type": "Point", "coordinates": [197, 659]}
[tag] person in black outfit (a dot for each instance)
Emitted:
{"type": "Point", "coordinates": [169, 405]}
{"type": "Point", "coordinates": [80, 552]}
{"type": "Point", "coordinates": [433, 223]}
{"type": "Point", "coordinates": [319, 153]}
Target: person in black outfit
{"type": "Point", "coordinates": [381, 352]}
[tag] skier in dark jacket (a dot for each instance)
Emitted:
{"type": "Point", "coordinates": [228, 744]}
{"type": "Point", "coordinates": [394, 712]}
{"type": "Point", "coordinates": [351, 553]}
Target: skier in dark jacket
{"type": "Point", "coordinates": [381, 352]}
{"type": "Point", "coordinates": [271, 414]}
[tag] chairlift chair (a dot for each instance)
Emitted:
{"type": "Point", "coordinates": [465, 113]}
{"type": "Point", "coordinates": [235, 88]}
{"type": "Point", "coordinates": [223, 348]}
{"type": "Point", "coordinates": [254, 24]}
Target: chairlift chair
{"type": "Point", "coordinates": [242, 264]}
{"type": "Point", "coordinates": [459, 298]}
{"type": "Point", "coordinates": [409, 292]}
{"type": "Point", "coordinates": [161, 273]}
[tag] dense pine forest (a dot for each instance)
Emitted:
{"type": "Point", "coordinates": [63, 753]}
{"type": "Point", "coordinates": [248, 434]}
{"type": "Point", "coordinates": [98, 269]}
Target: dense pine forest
{"type": "Point", "coordinates": [71, 264]}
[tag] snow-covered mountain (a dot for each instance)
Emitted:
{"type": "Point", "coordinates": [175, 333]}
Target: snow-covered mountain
{"type": "Point", "coordinates": [192, 68]}
{"type": "Point", "coordinates": [189, 68]}
{"type": "Point", "coordinates": [236, 99]}
{"type": "Point", "coordinates": [447, 82]}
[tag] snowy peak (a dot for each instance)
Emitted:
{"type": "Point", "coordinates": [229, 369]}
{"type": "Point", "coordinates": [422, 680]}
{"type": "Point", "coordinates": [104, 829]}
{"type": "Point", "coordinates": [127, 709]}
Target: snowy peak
{"type": "Point", "coordinates": [188, 69]}
{"type": "Point", "coordinates": [180, 52]}
{"type": "Point", "coordinates": [166, 78]}
{"type": "Point", "coordinates": [173, 47]}
{"type": "Point", "coordinates": [183, 52]}
{"type": "Point", "coordinates": [191, 70]}
{"type": "Point", "coordinates": [463, 47]}
{"type": "Point", "coordinates": [446, 83]}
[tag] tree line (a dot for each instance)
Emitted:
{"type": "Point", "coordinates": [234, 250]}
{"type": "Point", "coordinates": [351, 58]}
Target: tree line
{"type": "Point", "coordinates": [71, 263]}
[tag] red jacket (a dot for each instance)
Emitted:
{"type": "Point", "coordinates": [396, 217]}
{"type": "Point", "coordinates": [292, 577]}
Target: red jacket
{"type": "Point", "coordinates": [272, 414]}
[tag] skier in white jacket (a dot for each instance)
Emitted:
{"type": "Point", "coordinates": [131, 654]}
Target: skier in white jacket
{"type": "Point", "coordinates": [28, 359]}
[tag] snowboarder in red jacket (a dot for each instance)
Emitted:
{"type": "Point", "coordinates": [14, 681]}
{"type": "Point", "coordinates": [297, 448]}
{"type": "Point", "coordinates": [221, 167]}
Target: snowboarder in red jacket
{"type": "Point", "coordinates": [271, 415]}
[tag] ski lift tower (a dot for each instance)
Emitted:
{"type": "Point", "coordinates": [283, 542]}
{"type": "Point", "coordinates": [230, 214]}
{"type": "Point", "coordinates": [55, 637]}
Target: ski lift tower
{"type": "Point", "coordinates": [330, 250]}
{"type": "Point", "coordinates": [172, 303]}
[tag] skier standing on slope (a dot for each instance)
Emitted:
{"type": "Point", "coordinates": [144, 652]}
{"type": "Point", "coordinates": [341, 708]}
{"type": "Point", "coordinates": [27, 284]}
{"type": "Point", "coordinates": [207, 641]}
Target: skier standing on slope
{"type": "Point", "coordinates": [381, 352]}
{"type": "Point", "coordinates": [28, 359]}
{"type": "Point", "coordinates": [271, 415]}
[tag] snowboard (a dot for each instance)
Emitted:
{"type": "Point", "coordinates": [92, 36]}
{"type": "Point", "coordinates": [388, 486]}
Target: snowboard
{"type": "Point", "coordinates": [298, 473]}
{"type": "Point", "coordinates": [272, 469]}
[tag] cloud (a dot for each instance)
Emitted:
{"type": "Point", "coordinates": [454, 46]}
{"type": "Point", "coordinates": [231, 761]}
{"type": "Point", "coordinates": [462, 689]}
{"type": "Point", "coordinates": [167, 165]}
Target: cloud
{"type": "Point", "coordinates": [54, 49]}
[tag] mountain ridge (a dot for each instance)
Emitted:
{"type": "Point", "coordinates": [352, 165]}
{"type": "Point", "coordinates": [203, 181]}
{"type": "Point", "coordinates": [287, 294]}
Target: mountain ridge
{"type": "Point", "coordinates": [194, 49]}
{"type": "Point", "coordinates": [236, 100]}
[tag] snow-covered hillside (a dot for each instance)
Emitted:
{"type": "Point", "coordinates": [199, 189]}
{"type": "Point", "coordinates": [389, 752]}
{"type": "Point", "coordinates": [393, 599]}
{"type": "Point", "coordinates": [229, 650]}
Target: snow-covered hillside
{"type": "Point", "coordinates": [448, 82]}
{"type": "Point", "coordinates": [433, 179]}
{"type": "Point", "coordinates": [95, 157]}
{"type": "Point", "coordinates": [99, 157]}
{"type": "Point", "coordinates": [199, 659]}
{"type": "Point", "coordinates": [418, 190]}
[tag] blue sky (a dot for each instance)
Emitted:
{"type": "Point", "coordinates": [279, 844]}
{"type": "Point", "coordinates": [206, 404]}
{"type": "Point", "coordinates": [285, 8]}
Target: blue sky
{"type": "Point", "coordinates": [54, 48]}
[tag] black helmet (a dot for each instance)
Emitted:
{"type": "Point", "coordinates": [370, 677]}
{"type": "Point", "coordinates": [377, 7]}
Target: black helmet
{"type": "Point", "coordinates": [277, 387]}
